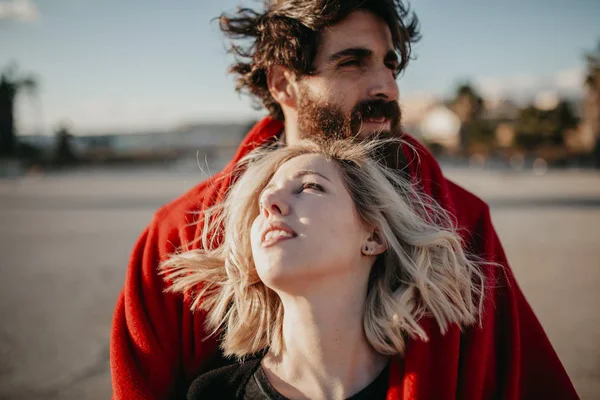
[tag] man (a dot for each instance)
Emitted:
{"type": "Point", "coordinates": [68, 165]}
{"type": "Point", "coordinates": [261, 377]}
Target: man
{"type": "Point", "coordinates": [329, 68]}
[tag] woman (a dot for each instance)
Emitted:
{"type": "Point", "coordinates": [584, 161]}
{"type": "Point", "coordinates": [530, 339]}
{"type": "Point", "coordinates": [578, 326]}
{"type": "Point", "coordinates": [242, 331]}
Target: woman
{"type": "Point", "coordinates": [329, 261]}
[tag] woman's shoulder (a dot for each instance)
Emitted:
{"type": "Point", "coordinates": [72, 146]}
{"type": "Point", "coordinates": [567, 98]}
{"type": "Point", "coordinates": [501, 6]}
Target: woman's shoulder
{"type": "Point", "coordinates": [225, 382]}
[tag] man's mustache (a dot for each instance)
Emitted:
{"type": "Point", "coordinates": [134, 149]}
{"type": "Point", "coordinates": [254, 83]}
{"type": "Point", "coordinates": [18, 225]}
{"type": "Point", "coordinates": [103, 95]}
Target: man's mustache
{"type": "Point", "coordinates": [376, 109]}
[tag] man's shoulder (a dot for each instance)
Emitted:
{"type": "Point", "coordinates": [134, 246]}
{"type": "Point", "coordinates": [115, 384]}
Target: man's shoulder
{"type": "Point", "coordinates": [180, 211]}
{"type": "Point", "coordinates": [177, 221]}
{"type": "Point", "coordinates": [223, 383]}
{"type": "Point", "coordinates": [465, 199]}
{"type": "Point", "coordinates": [426, 170]}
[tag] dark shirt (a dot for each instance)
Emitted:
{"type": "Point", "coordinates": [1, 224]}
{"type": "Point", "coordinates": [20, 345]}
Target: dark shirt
{"type": "Point", "coordinates": [247, 381]}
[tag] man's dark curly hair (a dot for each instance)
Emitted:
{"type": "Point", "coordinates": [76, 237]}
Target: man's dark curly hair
{"type": "Point", "coordinates": [287, 33]}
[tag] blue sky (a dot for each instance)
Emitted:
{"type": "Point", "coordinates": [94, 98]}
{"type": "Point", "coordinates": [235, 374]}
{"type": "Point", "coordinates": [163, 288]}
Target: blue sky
{"type": "Point", "coordinates": [134, 65]}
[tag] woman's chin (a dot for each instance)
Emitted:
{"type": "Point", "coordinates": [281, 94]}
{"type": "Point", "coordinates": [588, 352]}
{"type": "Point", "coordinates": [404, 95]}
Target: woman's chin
{"type": "Point", "coordinates": [277, 280]}
{"type": "Point", "coordinates": [280, 275]}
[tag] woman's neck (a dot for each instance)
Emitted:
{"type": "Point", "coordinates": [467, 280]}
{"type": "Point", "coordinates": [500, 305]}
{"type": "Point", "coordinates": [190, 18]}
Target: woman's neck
{"type": "Point", "coordinates": [324, 352]}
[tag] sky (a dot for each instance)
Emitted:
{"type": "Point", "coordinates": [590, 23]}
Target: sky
{"type": "Point", "coordinates": [125, 66]}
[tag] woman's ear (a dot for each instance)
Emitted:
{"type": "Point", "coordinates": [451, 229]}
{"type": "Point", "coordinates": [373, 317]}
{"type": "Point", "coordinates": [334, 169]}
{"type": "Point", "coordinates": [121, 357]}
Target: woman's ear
{"type": "Point", "coordinates": [375, 244]}
{"type": "Point", "coordinates": [282, 85]}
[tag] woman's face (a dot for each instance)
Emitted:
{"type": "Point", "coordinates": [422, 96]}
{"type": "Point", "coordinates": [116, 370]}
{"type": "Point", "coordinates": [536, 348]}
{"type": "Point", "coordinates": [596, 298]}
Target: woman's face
{"type": "Point", "coordinates": [308, 228]}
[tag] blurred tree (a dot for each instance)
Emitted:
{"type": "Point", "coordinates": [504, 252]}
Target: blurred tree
{"type": "Point", "coordinates": [544, 128]}
{"type": "Point", "coordinates": [11, 83]}
{"type": "Point", "coordinates": [467, 103]}
{"type": "Point", "coordinates": [591, 103]}
{"type": "Point", "coordinates": [63, 150]}
{"type": "Point", "coordinates": [468, 106]}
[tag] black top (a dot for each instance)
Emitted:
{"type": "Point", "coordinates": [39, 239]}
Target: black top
{"type": "Point", "coordinates": [247, 381]}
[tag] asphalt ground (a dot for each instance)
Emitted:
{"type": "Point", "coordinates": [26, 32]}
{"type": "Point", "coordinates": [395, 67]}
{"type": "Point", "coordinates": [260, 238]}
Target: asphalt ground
{"type": "Point", "coordinates": [65, 240]}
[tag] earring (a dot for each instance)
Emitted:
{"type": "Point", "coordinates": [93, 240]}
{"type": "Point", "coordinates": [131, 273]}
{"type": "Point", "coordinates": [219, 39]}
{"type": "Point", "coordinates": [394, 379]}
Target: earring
{"type": "Point", "coordinates": [367, 251]}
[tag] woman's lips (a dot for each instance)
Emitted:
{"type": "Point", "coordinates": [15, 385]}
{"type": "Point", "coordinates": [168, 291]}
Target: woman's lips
{"type": "Point", "coordinates": [275, 232]}
{"type": "Point", "coordinates": [275, 239]}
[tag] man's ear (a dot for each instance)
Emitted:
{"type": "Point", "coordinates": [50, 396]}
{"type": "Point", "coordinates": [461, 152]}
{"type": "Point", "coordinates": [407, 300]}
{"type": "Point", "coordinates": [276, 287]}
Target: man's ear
{"type": "Point", "coordinates": [282, 85]}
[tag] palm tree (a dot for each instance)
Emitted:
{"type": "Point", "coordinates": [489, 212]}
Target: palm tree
{"type": "Point", "coordinates": [467, 103]}
{"type": "Point", "coordinates": [468, 106]}
{"type": "Point", "coordinates": [591, 107]}
{"type": "Point", "coordinates": [11, 83]}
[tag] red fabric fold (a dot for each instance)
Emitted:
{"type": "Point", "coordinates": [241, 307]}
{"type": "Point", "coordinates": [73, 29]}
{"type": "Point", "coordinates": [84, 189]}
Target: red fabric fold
{"type": "Point", "coordinates": [158, 345]}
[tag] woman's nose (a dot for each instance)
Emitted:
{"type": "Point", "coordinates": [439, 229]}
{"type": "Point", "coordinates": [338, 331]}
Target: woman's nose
{"type": "Point", "coordinates": [272, 203]}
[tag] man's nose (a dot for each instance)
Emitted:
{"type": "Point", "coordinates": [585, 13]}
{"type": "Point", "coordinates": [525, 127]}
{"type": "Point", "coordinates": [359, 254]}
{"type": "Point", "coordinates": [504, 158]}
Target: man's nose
{"type": "Point", "coordinates": [273, 203]}
{"type": "Point", "coordinates": [384, 85]}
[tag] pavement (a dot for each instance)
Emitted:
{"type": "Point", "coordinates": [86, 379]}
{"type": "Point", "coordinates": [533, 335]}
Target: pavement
{"type": "Point", "coordinates": [65, 240]}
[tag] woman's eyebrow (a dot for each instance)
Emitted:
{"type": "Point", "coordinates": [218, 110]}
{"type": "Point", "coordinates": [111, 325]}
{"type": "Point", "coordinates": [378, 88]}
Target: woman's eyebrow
{"type": "Point", "coordinates": [309, 172]}
{"type": "Point", "coordinates": [297, 175]}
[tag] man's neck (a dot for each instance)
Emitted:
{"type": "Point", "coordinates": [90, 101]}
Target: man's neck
{"type": "Point", "coordinates": [325, 353]}
{"type": "Point", "coordinates": [282, 140]}
{"type": "Point", "coordinates": [291, 133]}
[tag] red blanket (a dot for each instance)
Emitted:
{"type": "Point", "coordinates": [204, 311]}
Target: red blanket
{"type": "Point", "coordinates": [158, 345]}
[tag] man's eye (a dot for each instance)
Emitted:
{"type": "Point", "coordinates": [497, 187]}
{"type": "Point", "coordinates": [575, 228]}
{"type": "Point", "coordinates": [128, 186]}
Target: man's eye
{"type": "Point", "coordinates": [395, 69]}
{"type": "Point", "coordinates": [350, 63]}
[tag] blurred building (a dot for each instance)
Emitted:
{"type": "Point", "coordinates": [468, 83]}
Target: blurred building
{"type": "Point", "coordinates": [208, 141]}
{"type": "Point", "coordinates": [441, 126]}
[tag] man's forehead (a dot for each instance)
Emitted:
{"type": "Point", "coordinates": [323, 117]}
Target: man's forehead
{"type": "Point", "coordinates": [361, 29]}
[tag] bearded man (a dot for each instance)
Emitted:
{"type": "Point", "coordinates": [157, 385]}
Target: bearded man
{"type": "Point", "coordinates": [328, 68]}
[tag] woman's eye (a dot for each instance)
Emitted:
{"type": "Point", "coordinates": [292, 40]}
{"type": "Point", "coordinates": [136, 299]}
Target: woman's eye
{"type": "Point", "coordinates": [311, 185]}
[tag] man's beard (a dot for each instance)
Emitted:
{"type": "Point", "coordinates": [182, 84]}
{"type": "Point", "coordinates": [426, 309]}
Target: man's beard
{"type": "Point", "coordinates": [323, 121]}
{"type": "Point", "coordinates": [320, 119]}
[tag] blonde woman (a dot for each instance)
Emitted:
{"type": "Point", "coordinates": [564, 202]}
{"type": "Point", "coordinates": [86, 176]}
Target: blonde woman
{"type": "Point", "coordinates": [328, 262]}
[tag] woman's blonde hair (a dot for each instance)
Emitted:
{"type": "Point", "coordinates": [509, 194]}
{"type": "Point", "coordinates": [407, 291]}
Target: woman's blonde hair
{"type": "Point", "coordinates": [424, 272]}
